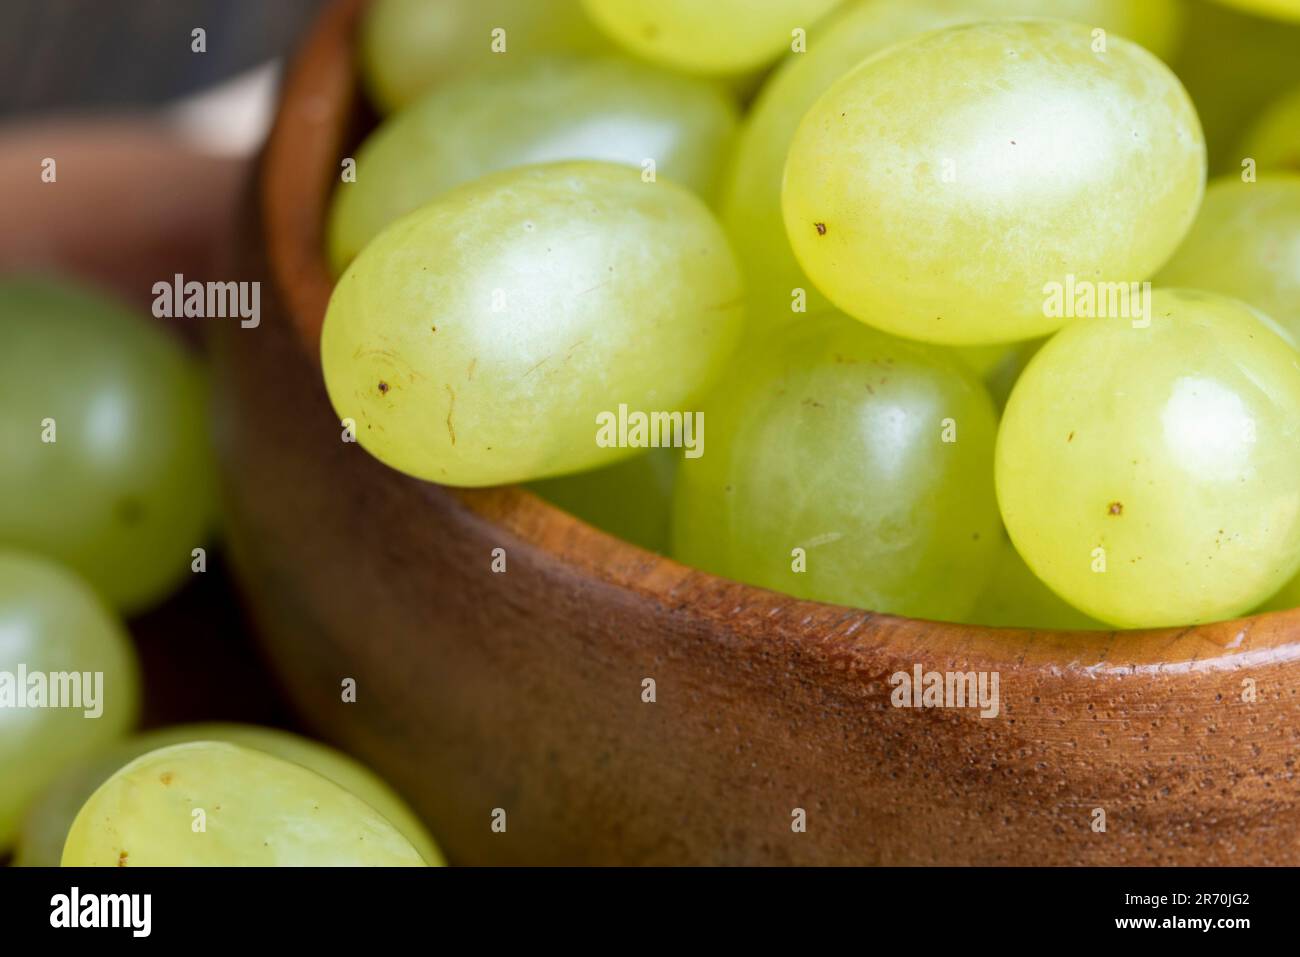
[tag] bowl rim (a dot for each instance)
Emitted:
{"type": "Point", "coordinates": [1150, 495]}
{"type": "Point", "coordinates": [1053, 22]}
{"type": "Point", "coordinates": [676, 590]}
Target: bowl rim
{"type": "Point", "coordinates": [318, 102]}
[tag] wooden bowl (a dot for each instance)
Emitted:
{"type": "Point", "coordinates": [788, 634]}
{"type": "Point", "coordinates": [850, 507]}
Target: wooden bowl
{"type": "Point", "coordinates": [522, 690]}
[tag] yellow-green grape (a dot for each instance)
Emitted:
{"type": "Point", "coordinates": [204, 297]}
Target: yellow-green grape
{"type": "Point", "coordinates": [215, 804]}
{"type": "Point", "coordinates": [717, 37]}
{"type": "Point", "coordinates": [105, 461]}
{"type": "Point", "coordinates": [999, 366]}
{"type": "Point", "coordinates": [1284, 600]}
{"type": "Point", "coordinates": [411, 46]}
{"type": "Point", "coordinates": [69, 682]}
{"type": "Point", "coordinates": [1017, 599]}
{"type": "Point", "coordinates": [490, 336]}
{"type": "Point", "coordinates": [1280, 9]}
{"type": "Point", "coordinates": [936, 191]}
{"type": "Point", "coordinates": [1233, 64]}
{"type": "Point", "coordinates": [1003, 377]}
{"type": "Point", "coordinates": [845, 465]}
{"type": "Point", "coordinates": [1246, 244]}
{"type": "Point", "coordinates": [613, 110]}
{"type": "Point", "coordinates": [1148, 474]}
{"type": "Point", "coordinates": [630, 499]}
{"type": "Point", "coordinates": [45, 828]}
{"type": "Point", "coordinates": [752, 194]}
{"type": "Point", "coordinates": [1274, 140]}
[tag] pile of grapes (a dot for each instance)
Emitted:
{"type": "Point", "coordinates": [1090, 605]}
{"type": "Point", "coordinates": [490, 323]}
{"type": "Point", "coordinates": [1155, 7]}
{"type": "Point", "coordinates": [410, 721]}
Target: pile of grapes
{"type": "Point", "coordinates": [921, 306]}
{"type": "Point", "coordinates": [106, 506]}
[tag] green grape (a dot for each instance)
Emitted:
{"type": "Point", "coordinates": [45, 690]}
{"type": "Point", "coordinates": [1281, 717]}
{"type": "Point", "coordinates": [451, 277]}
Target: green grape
{"type": "Point", "coordinates": [1148, 475]}
{"type": "Point", "coordinates": [999, 366]}
{"type": "Point", "coordinates": [53, 625]}
{"type": "Point", "coordinates": [1284, 600]}
{"type": "Point", "coordinates": [106, 464]}
{"type": "Point", "coordinates": [1002, 378]}
{"type": "Point", "coordinates": [1232, 65]}
{"type": "Point", "coordinates": [938, 189]}
{"type": "Point", "coordinates": [614, 110]}
{"type": "Point", "coordinates": [1017, 599]}
{"type": "Point", "coordinates": [1280, 9]}
{"type": "Point", "coordinates": [411, 46]}
{"type": "Point", "coordinates": [717, 37]}
{"type": "Point", "coordinates": [982, 360]}
{"type": "Point", "coordinates": [45, 828]}
{"type": "Point", "coordinates": [631, 499]}
{"type": "Point", "coordinates": [865, 458]}
{"type": "Point", "coordinates": [257, 810]}
{"type": "Point", "coordinates": [1273, 142]}
{"type": "Point", "coordinates": [752, 194]}
{"type": "Point", "coordinates": [1246, 244]}
{"type": "Point", "coordinates": [481, 339]}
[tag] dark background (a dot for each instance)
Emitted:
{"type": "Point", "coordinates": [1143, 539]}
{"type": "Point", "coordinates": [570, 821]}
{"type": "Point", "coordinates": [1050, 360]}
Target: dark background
{"type": "Point", "coordinates": [79, 55]}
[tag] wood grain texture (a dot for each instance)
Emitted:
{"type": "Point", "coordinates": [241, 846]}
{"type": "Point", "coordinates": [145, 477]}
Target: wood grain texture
{"type": "Point", "coordinates": [522, 690]}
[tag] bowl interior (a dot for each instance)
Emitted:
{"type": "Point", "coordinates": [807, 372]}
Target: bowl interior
{"type": "Point", "coordinates": [323, 115]}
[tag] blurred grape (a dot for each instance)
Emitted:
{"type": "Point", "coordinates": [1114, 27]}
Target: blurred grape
{"type": "Point", "coordinates": [52, 623]}
{"type": "Point", "coordinates": [213, 804]}
{"type": "Point", "coordinates": [1245, 243]}
{"type": "Point", "coordinates": [548, 110]}
{"type": "Point", "coordinates": [1016, 598]}
{"type": "Point", "coordinates": [1233, 65]}
{"type": "Point", "coordinates": [106, 461]}
{"type": "Point", "coordinates": [716, 37]}
{"type": "Point", "coordinates": [631, 499]}
{"type": "Point", "coordinates": [411, 46]}
{"type": "Point", "coordinates": [45, 828]}
{"type": "Point", "coordinates": [1281, 9]}
{"type": "Point", "coordinates": [1273, 142]}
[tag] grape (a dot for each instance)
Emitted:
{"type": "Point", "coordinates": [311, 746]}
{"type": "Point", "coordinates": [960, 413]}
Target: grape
{"type": "Point", "coordinates": [1017, 599]}
{"type": "Point", "coordinates": [1232, 64]}
{"type": "Point", "coordinates": [1281, 9]}
{"type": "Point", "coordinates": [547, 110]}
{"type": "Point", "coordinates": [1273, 142]}
{"type": "Point", "coordinates": [52, 623]}
{"type": "Point", "coordinates": [630, 500]}
{"type": "Point", "coordinates": [257, 811]}
{"type": "Point", "coordinates": [411, 46]}
{"type": "Point", "coordinates": [938, 189]}
{"type": "Point", "coordinates": [44, 830]}
{"type": "Point", "coordinates": [1246, 244]}
{"type": "Point", "coordinates": [833, 438]}
{"type": "Point", "coordinates": [1284, 600]}
{"type": "Point", "coordinates": [717, 37]}
{"type": "Point", "coordinates": [752, 194]}
{"type": "Point", "coordinates": [1148, 475]}
{"type": "Point", "coordinates": [125, 491]}
{"type": "Point", "coordinates": [1002, 378]}
{"type": "Point", "coordinates": [999, 366]}
{"type": "Point", "coordinates": [477, 340]}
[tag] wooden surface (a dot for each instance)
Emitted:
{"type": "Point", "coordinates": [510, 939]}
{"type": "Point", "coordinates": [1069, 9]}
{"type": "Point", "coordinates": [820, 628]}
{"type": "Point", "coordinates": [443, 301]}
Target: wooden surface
{"type": "Point", "coordinates": [522, 690]}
